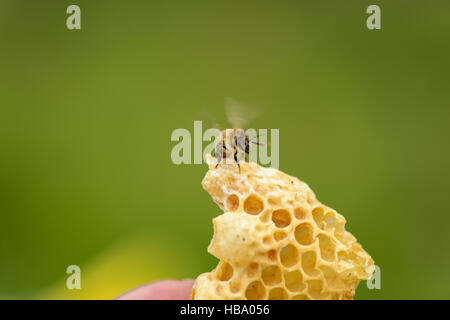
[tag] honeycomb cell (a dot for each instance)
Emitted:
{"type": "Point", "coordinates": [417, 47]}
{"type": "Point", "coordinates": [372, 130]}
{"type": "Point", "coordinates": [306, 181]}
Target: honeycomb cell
{"type": "Point", "coordinates": [315, 288]}
{"type": "Point", "coordinates": [330, 276]}
{"type": "Point", "coordinates": [279, 235]}
{"type": "Point", "coordinates": [253, 205]}
{"type": "Point", "coordinates": [224, 271]}
{"type": "Point", "coordinates": [274, 200]}
{"type": "Point", "coordinates": [335, 296]}
{"type": "Point", "coordinates": [300, 213]}
{"type": "Point", "coordinates": [344, 256]}
{"type": "Point", "coordinates": [255, 291]}
{"type": "Point", "coordinates": [267, 240]}
{"type": "Point", "coordinates": [232, 202]}
{"type": "Point", "coordinates": [339, 232]}
{"type": "Point", "coordinates": [327, 248]}
{"type": "Point", "coordinates": [281, 218]}
{"type": "Point", "coordinates": [272, 255]}
{"type": "Point", "coordinates": [271, 275]}
{"type": "Point", "coordinates": [219, 290]}
{"type": "Point", "coordinates": [330, 219]}
{"type": "Point", "coordinates": [265, 216]}
{"type": "Point", "coordinates": [278, 294]}
{"type": "Point", "coordinates": [309, 263]}
{"type": "Point", "coordinates": [289, 256]}
{"type": "Point", "coordinates": [294, 281]}
{"type": "Point", "coordinates": [235, 286]}
{"type": "Point", "coordinates": [252, 269]}
{"type": "Point", "coordinates": [318, 216]}
{"type": "Point", "coordinates": [304, 234]}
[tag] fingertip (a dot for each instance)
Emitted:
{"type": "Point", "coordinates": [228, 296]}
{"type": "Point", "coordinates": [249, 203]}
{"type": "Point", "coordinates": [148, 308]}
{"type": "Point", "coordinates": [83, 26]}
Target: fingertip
{"type": "Point", "coordinates": [161, 290]}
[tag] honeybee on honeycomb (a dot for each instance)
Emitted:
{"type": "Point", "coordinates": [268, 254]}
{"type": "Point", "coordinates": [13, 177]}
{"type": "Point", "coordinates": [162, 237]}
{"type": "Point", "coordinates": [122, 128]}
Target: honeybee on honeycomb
{"type": "Point", "coordinates": [234, 144]}
{"type": "Point", "coordinates": [275, 240]}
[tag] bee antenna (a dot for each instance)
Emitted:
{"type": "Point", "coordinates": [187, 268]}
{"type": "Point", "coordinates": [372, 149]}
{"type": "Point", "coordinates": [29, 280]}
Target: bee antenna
{"type": "Point", "coordinates": [258, 144]}
{"type": "Point", "coordinates": [258, 135]}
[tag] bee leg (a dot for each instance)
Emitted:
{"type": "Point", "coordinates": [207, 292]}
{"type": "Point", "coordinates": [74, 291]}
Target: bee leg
{"type": "Point", "coordinates": [237, 162]}
{"type": "Point", "coordinates": [219, 156]}
{"type": "Point", "coordinates": [219, 159]}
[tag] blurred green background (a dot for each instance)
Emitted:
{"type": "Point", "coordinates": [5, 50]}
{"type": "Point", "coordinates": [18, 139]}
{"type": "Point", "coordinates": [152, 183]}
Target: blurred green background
{"type": "Point", "coordinates": [86, 118]}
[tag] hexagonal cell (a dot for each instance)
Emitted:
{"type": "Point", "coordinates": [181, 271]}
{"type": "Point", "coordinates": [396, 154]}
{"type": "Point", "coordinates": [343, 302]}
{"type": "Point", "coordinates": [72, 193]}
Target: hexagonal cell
{"type": "Point", "coordinates": [335, 296]}
{"type": "Point", "coordinates": [274, 200]}
{"type": "Point", "coordinates": [265, 216]}
{"type": "Point", "coordinates": [253, 204]}
{"type": "Point", "coordinates": [294, 281]}
{"type": "Point", "coordinates": [301, 213]}
{"type": "Point", "coordinates": [309, 263]}
{"type": "Point", "coordinates": [252, 269]}
{"type": "Point", "coordinates": [272, 255]}
{"type": "Point", "coordinates": [267, 240]}
{"type": "Point", "coordinates": [224, 271]}
{"type": "Point", "coordinates": [279, 235]}
{"type": "Point", "coordinates": [330, 219]}
{"type": "Point", "coordinates": [281, 218]}
{"type": "Point", "coordinates": [315, 288]}
{"type": "Point", "coordinates": [330, 276]}
{"type": "Point", "coordinates": [327, 248]}
{"type": "Point", "coordinates": [318, 216]}
{"type": "Point", "coordinates": [289, 256]}
{"type": "Point", "coordinates": [271, 275]}
{"type": "Point", "coordinates": [232, 202]}
{"type": "Point", "coordinates": [255, 291]}
{"type": "Point", "coordinates": [219, 289]}
{"type": "Point", "coordinates": [235, 286]}
{"type": "Point", "coordinates": [354, 259]}
{"type": "Point", "coordinates": [304, 234]}
{"type": "Point", "coordinates": [344, 256]}
{"type": "Point", "coordinates": [278, 294]}
{"type": "Point", "coordinates": [339, 232]}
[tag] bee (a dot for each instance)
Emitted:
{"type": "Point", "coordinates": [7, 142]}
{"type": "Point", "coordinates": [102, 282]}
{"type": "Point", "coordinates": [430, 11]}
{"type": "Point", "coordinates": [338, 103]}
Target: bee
{"type": "Point", "coordinates": [234, 144]}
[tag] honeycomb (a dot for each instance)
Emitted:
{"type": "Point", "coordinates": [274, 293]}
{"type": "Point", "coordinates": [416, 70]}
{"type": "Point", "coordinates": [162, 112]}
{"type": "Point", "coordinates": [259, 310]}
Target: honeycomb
{"type": "Point", "coordinates": [276, 241]}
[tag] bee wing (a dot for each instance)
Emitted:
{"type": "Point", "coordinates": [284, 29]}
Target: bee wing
{"type": "Point", "coordinates": [209, 121]}
{"type": "Point", "coordinates": [238, 113]}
